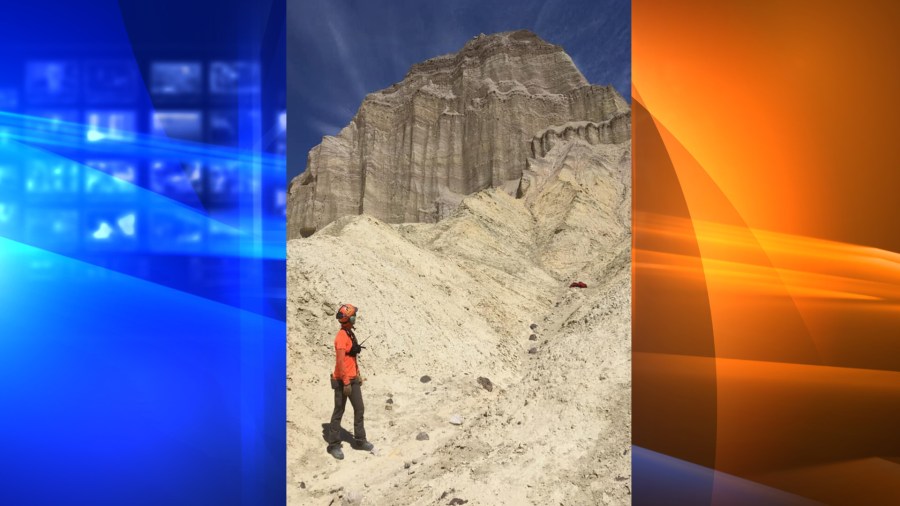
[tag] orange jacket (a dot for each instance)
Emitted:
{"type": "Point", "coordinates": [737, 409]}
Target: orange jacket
{"type": "Point", "coordinates": [345, 368]}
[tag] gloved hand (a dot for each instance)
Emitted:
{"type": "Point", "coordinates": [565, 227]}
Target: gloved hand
{"type": "Point", "coordinates": [347, 390]}
{"type": "Point", "coordinates": [362, 379]}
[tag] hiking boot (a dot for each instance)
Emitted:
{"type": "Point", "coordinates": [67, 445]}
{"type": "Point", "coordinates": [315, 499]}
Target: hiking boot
{"type": "Point", "coordinates": [363, 445]}
{"type": "Point", "coordinates": [335, 451]}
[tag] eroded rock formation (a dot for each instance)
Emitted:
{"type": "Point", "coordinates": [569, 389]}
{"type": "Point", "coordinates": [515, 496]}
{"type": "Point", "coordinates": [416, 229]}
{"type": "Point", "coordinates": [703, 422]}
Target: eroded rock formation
{"type": "Point", "coordinates": [455, 125]}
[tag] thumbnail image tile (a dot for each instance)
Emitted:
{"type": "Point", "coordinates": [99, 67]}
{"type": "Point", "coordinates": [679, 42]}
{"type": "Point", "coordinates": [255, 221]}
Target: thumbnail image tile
{"type": "Point", "coordinates": [176, 179]}
{"type": "Point", "coordinates": [110, 177]}
{"type": "Point", "coordinates": [50, 269]}
{"type": "Point", "coordinates": [110, 82]}
{"type": "Point", "coordinates": [226, 184]}
{"type": "Point", "coordinates": [53, 179]}
{"type": "Point", "coordinates": [112, 229]}
{"type": "Point", "coordinates": [177, 232]}
{"type": "Point", "coordinates": [233, 77]}
{"type": "Point", "coordinates": [222, 235]}
{"type": "Point", "coordinates": [110, 125]}
{"type": "Point", "coordinates": [53, 121]}
{"type": "Point", "coordinates": [52, 82]}
{"type": "Point", "coordinates": [9, 219]}
{"type": "Point", "coordinates": [183, 125]}
{"type": "Point", "coordinates": [10, 181]}
{"type": "Point", "coordinates": [176, 79]}
{"type": "Point", "coordinates": [52, 228]}
{"type": "Point", "coordinates": [223, 128]}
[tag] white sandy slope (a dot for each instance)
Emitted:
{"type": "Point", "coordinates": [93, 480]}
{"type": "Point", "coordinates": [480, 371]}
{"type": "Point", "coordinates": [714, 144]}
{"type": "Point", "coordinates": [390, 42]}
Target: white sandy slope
{"type": "Point", "coordinates": [454, 301]}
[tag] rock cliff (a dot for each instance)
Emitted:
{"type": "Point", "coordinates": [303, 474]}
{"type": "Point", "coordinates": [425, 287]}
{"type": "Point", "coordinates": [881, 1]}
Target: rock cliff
{"type": "Point", "coordinates": [455, 125]}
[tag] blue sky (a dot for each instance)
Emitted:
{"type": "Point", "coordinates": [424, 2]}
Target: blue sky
{"type": "Point", "coordinates": [340, 50]}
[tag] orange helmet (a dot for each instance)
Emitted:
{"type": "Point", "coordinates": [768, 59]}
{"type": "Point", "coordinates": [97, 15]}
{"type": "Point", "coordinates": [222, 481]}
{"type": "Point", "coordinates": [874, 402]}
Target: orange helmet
{"type": "Point", "coordinates": [346, 313]}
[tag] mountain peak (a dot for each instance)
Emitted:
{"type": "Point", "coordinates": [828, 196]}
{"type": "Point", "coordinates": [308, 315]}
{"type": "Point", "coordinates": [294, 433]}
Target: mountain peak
{"type": "Point", "coordinates": [516, 44]}
{"type": "Point", "coordinates": [517, 37]}
{"type": "Point", "coordinates": [456, 124]}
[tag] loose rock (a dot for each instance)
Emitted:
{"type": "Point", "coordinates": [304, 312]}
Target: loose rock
{"type": "Point", "coordinates": [353, 498]}
{"type": "Point", "coordinates": [422, 436]}
{"type": "Point", "coordinates": [532, 337]}
{"type": "Point", "coordinates": [533, 326]}
{"type": "Point", "coordinates": [425, 379]}
{"type": "Point", "coordinates": [389, 401]}
{"type": "Point", "coordinates": [456, 500]}
{"type": "Point", "coordinates": [456, 420]}
{"type": "Point", "coordinates": [532, 350]}
{"type": "Point", "coordinates": [486, 383]}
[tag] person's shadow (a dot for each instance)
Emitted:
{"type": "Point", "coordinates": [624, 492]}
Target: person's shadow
{"type": "Point", "coordinates": [344, 434]}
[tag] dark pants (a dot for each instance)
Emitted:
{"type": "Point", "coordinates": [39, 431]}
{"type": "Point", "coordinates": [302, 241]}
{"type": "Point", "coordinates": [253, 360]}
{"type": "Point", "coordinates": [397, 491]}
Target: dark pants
{"type": "Point", "coordinates": [359, 431]}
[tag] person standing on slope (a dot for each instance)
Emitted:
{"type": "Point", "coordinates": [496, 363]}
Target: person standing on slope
{"type": "Point", "coordinates": [347, 383]}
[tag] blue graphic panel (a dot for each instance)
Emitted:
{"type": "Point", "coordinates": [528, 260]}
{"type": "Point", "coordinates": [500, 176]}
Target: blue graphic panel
{"type": "Point", "coordinates": [142, 230]}
{"type": "Point", "coordinates": [661, 480]}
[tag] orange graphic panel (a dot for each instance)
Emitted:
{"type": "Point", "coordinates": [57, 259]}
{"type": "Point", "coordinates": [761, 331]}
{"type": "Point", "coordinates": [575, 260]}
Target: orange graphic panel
{"type": "Point", "coordinates": [766, 233]}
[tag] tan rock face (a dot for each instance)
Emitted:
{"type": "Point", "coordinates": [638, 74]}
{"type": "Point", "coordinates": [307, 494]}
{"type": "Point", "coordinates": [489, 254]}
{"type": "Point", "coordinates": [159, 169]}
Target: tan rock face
{"type": "Point", "coordinates": [455, 125]}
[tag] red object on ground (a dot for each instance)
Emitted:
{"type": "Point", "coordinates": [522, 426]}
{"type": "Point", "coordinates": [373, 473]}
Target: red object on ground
{"type": "Point", "coordinates": [578, 284]}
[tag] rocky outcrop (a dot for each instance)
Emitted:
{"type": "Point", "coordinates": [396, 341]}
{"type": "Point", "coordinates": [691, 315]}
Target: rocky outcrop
{"type": "Point", "coordinates": [614, 131]}
{"type": "Point", "coordinates": [455, 125]}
